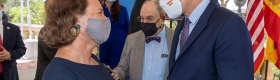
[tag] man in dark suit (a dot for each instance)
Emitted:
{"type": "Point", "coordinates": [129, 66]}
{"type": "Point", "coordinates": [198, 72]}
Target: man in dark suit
{"type": "Point", "coordinates": [45, 56]}
{"type": "Point", "coordinates": [211, 43]}
{"type": "Point", "coordinates": [134, 25]}
{"type": "Point", "coordinates": [13, 48]}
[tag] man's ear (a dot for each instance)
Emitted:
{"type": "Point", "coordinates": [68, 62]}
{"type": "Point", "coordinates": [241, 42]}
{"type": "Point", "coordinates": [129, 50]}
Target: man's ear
{"type": "Point", "coordinates": [163, 17]}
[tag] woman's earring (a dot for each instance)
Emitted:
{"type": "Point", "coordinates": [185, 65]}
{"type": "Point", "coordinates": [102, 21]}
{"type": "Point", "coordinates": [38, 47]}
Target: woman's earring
{"type": "Point", "coordinates": [74, 30]}
{"type": "Point", "coordinates": [78, 26]}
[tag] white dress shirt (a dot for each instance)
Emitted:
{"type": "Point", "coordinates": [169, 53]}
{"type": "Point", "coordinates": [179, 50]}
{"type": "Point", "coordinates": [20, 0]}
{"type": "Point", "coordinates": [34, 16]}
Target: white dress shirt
{"type": "Point", "coordinates": [193, 17]}
{"type": "Point", "coordinates": [1, 30]}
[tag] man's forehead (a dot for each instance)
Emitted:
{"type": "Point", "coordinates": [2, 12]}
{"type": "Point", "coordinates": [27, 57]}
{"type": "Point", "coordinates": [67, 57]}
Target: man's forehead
{"type": "Point", "coordinates": [149, 5]}
{"type": "Point", "coordinates": [151, 13]}
{"type": "Point", "coordinates": [149, 9]}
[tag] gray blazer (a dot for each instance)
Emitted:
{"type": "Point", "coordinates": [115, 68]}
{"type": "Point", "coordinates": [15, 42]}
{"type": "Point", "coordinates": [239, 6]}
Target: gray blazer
{"type": "Point", "coordinates": [131, 62]}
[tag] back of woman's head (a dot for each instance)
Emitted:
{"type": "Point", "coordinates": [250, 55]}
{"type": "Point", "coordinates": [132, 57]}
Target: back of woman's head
{"type": "Point", "coordinates": [61, 17]}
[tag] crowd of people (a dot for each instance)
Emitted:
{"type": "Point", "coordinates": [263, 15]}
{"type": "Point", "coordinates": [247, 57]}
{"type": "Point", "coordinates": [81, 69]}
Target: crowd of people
{"type": "Point", "coordinates": [209, 43]}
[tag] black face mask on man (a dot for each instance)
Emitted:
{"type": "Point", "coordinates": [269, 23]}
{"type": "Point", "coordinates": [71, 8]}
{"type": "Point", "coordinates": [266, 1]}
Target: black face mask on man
{"type": "Point", "coordinates": [149, 29]}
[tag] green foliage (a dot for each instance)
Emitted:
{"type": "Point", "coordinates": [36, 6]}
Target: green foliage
{"type": "Point", "coordinates": [11, 3]}
{"type": "Point", "coordinates": [36, 13]}
{"type": "Point", "coordinates": [276, 72]}
{"type": "Point", "coordinates": [2, 1]}
{"type": "Point", "coordinates": [174, 24]}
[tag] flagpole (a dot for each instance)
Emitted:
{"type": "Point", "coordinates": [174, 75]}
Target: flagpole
{"type": "Point", "coordinates": [266, 68]}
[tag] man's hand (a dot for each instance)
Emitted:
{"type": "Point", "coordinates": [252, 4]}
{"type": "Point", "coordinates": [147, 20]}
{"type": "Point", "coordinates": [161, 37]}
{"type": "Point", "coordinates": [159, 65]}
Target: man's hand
{"type": "Point", "coordinates": [115, 76]}
{"type": "Point", "coordinates": [4, 55]}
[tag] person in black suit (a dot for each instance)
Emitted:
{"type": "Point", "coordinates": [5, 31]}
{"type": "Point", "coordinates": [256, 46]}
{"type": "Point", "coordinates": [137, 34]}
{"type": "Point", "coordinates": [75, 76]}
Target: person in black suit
{"type": "Point", "coordinates": [134, 25]}
{"type": "Point", "coordinates": [45, 56]}
{"type": "Point", "coordinates": [211, 43]}
{"type": "Point", "coordinates": [13, 48]}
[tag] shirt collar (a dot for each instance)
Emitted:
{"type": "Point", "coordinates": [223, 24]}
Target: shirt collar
{"type": "Point", "coordinates": [197, 12]}
{"type": "Point", "coordinates": [162, 32]}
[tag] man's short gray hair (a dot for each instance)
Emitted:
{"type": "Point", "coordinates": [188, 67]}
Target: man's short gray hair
{"type": "Point", "coordinates": [159, 8]}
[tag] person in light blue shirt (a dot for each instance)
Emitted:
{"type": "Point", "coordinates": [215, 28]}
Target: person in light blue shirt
{"type": "Point", "coordinates": [145, 54]}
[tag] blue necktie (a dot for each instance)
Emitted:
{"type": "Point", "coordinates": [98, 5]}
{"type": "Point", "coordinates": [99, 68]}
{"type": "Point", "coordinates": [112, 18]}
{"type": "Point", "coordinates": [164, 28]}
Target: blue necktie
{"type": "Point", "coordinates": [185, 33]}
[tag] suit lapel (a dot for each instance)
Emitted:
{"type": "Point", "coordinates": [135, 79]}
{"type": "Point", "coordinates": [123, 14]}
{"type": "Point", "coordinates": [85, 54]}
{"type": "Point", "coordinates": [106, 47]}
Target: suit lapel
{"type": "Point", "coordinates": [140, 41]}
{"type": "Point", "coordinates": [6, 33]}
{"type": "Point", "coordinates": [199, 27]}
{"type": "Point", "coordinates": [169, 35]}
{"type": "Point", "coordinates": [175, 43]}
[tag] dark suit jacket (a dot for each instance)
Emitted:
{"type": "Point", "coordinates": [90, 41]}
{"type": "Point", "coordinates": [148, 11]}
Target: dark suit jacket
{"type": "Point", "coordinates": [218, 48]}
{"type": "Point", "coordinates": [5, 17]}
{"type": "Point", "coordinates": [45, 56]}
{"type": "Point", "coordinates": [134, 24]}
{"type": "Point", "coordinates": [12, 41]}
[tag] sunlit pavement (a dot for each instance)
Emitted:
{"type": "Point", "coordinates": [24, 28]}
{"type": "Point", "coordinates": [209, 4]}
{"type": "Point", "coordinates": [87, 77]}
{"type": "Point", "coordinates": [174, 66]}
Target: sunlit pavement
{"type": "Point", "coordinates": [26, 69]}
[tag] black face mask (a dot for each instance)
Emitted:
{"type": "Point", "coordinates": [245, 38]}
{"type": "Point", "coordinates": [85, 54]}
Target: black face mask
{"type": "Point", "coordinates": [149, 29]}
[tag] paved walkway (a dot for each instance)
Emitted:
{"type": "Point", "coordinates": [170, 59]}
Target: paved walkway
{"type": "Point", "coordinates": [26, 69]}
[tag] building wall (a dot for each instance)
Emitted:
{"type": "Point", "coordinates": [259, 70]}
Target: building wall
{"type": "Point", "coordinates": [128, 4]}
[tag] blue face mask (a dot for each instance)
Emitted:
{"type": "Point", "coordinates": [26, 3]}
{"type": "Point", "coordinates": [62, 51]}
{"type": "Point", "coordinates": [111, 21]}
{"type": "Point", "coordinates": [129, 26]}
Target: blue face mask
{"type": "Point", "coordinates": [111, 1]}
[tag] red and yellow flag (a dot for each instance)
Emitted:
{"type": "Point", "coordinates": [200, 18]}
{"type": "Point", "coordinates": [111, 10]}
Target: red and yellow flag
{"type": "Point", "coordinates": [272, 26]}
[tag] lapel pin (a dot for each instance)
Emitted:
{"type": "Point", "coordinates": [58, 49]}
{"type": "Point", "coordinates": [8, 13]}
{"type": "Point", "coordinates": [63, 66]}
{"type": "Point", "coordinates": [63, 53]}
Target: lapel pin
{"type": "Point", "coordinates": [8, 28]}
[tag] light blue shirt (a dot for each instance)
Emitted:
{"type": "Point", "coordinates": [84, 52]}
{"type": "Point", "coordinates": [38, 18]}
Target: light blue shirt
{"type": "Point", "coordinates": [194, 17]}
{"type": "Point", "coordinates": [153, 64]}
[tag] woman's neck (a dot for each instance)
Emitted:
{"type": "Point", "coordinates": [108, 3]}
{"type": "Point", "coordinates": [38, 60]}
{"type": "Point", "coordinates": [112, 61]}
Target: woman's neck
{"type": "Point", "coordinates": [79, 51]}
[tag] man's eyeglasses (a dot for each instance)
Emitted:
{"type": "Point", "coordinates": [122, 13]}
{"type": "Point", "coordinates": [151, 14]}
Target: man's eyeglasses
{"type": "Point", "coordinates": [147, 20]}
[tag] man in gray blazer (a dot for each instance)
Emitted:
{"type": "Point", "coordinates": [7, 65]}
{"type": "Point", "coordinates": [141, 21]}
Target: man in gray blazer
{"type": "Point", "coordinates": [145, 54]}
